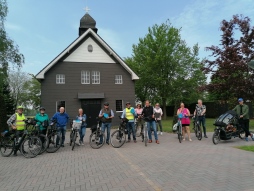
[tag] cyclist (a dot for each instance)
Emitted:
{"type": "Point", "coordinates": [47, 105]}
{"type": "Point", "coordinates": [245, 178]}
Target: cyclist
{"type": "Point", "coordinates": [140, 121]}
{"type": "Point", "coordinates": [106, 114]}
{"type": "Point", "coordinates": [148, 112]}
{"type": "Point", "coordinates": [82, 131]}
{"type": "Point", "coordinates": [158, 113]}
{"type": "Point", "coordinates": [200, 112]}
{"type": "Point", "coordinates": [62, 119]}
{"type": "Point", "coordinates": [185, 120]}
{"type": "Point", "coordinates": [17, 122]}
{"type": "Point", "coordinates": [242, 111]}
{"type": "Point", "coordinates": [130, 114]}
{"type": "Point", "coordinates": [43, 120]}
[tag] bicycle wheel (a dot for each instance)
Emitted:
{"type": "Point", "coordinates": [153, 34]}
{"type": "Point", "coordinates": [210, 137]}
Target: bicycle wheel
{"type": "Point", "coordinates": [71, 137]}
{"type": "Point", "coordinates": [216, 138]}
{"type": "Point", "coordinates": [45, 142]}
{"type": "Point", "coordinates": [97, 139]}
{"type": "Point", "coordinates": [199, 132]}
{"type": "Point", "coordinates": [6, 146]}
{"type": "Point", "coordinates": [31, 147]}
{"type": "Point", "coordinates": [118, 138]}
{"type": "Point", "coordinates": [137, 128]}
{"type": "Point", "coordinates": [55, 141]}
{"type": "Point", "coordinates": [74, 140]}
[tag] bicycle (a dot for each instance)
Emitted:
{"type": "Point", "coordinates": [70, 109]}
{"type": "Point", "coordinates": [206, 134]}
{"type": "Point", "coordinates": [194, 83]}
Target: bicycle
{"type": "Point", "coordinates": [97, 137]}
{"type": "Point", "coordinates": [179, 130]}
{"type": "Point", "coordinates": [118, 137]}
{"type": "Point", "coordinates": [76, 125]}
{"type": "Point", "coordinates": [55, 138]}
{"type": "Point", "coordinates": [29, 146]}
{"type": "Point", "coordinates": [138, 127]}
{"type": "Point", "coordinates": [197, 129]}
{"type": "Point", "coordinates": [44, 139]}
{"type": "Point", "coordinates": [145, 131]}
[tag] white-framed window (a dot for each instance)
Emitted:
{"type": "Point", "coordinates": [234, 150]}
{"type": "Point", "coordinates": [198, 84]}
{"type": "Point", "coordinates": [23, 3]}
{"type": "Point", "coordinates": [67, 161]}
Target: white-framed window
{"type": "Point", "coordinates": [119, 105]}
{"type": "Point", "coordinates": [95, 77]}
{"type": "Point", "coordinates": [118, 79]}
{"type": "Point", "coordinates": [60, 79]}
{"type": "Point", "coordinates": [60, 104]}
{"type": "Point", "coordinates": [85, 77]}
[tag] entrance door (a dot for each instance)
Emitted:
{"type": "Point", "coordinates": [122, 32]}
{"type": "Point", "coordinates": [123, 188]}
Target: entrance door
{"type": "Point", "coordinates": [91, 108]}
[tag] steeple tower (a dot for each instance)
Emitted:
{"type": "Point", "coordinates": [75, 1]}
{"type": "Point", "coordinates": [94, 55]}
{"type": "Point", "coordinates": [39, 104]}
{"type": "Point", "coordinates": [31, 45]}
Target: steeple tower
{"type": "Point", "coordinates": [87, 22]}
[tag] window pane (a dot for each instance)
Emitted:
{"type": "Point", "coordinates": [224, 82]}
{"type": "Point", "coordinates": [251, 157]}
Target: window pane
{"type": "Point", "coordinates": [118, 79]}
{"type": "Point", "coordinates": [95, 77]}
{"type": "Point", "coordinates": [119, 105]}
{"type": "Point", "coordinates": [85, 77]}
{"type": "Point", "coordinates": [60, 79]}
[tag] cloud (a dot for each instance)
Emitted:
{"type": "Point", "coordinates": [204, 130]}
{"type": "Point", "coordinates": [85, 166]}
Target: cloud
{"type": "Point", "coordinates": [200, 21]}
{"type": "Point", "coordinates": [11, 26]}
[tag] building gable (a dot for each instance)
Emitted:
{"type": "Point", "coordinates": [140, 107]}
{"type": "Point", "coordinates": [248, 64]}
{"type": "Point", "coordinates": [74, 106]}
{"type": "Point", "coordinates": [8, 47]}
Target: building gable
{"type": "Point", "coordinates": [81, 54]}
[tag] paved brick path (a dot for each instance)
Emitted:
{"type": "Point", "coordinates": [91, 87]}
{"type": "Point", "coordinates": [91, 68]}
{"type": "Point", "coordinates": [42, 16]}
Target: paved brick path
{"type": "Point", "coordinates": [197, 165]}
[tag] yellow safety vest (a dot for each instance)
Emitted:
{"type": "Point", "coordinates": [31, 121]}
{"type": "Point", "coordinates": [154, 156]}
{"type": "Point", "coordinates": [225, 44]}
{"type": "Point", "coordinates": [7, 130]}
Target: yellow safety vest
{"type": "Point", "coordinates": [20, 124]}
{"type": "Point", "coordinates": [128, 114]}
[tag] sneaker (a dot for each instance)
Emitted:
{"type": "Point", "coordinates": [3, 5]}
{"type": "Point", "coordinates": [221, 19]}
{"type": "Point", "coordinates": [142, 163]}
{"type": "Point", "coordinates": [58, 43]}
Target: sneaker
{"type": "Point", "coordinates": [161, 133]}
{"type": "Point", "coordinates": [246, 139]}
{"type": "Point", "coordinates": [205, 136]}
{"type": "Point", "coordinates": [190, 140]}
{"type": "Point", "coordinates": [183, 139]}
{"type": "Point", "coordinates": [82, 143]}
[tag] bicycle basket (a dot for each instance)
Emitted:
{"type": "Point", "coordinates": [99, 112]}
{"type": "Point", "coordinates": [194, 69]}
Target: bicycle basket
{"type": "Point", "coordinates": [76, 124]}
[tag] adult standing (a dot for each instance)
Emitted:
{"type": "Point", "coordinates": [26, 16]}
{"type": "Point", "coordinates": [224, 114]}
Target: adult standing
{"type": "Point", "coordinates": [42, 120]}
{"type": "Point", "coordinates": [17, 123]}
{"type": "Point", "coordinates": [185, 120]}
{"type": "Point", "coordinates": [140, 121]}
{"type": "Point", "coordinates": [200, 114]}
{"type": "Point", "coordinates": [130, 114]}
{"type": "Point", "coordinates": [61, 118]}
{"type": "Point", "coordinates": [148, 113]}
{"type": "Point", "coordinates": [106, 114]}
{"type": "Point", "coordinates": [158, 114]}
{"type": "Point", "coordinates": [82, 131]}
{"type": "Point", "coordinates": [242, 111]}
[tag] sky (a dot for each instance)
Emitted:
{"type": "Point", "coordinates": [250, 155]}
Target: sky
{"type": "Point", "coordinates": [43, 29]}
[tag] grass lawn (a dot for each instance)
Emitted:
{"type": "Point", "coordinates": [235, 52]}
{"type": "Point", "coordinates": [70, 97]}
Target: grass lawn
{"type": "Point", "coordinates": [247, 148]}
{"type": "Point", "coordinates": [167, 124]}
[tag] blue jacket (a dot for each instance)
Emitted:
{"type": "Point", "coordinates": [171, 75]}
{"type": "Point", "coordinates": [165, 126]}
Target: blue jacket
{"type": "Point", "coordinates": [61, 118]}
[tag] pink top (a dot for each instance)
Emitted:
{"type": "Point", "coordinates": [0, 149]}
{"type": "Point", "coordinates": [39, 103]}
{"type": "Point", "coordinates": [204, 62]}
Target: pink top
{"type": "Point", "coordinates": [139, 111]}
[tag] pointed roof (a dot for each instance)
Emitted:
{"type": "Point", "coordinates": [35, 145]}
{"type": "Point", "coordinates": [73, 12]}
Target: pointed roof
{"type": "Point", "coordinates": [41, 74]}
{"type": "Point", "coordinates": [87, 21]}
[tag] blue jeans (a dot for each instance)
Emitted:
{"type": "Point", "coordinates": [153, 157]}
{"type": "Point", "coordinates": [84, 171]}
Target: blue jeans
{"type": "Point", "coordinates": [201, 120]}
{"type": "Point", "coordinates": [131, 128]}
{"type": "Point", "coordinates": [152, 124]}
{"type": "Point", "coordinates": [61, 130]}
{"type": "Point", "coordinates": [103, 127]}
{"type": "Point", "coordinates": [82, 133]}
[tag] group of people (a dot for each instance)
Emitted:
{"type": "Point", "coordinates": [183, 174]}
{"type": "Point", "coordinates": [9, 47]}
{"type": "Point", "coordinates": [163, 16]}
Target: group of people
{"type": "Point", "coordinates": [152, 114]}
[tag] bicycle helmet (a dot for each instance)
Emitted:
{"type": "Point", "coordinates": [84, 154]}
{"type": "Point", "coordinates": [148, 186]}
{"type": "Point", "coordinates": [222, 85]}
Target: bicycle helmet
{"type": "Point", "coordinates": [42, 108]}
{"type": "Point", "coordinates": [20, 107]}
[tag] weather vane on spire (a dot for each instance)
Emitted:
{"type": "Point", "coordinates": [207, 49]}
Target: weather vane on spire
{"type": "Point", "coordinates": [87, 9]}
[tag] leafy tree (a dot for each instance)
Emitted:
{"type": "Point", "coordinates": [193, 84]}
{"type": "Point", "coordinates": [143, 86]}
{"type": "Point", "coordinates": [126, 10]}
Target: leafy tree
{"type": "Point", "coordinates": [30, 97]}
{"type": "Point", "coordinates": [169, 70]}
{"type": "Point", "coordinates": [230, 76]}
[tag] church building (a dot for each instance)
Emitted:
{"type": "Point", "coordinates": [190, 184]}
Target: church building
{"type": "Point", "coordinates": [85, 75]}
